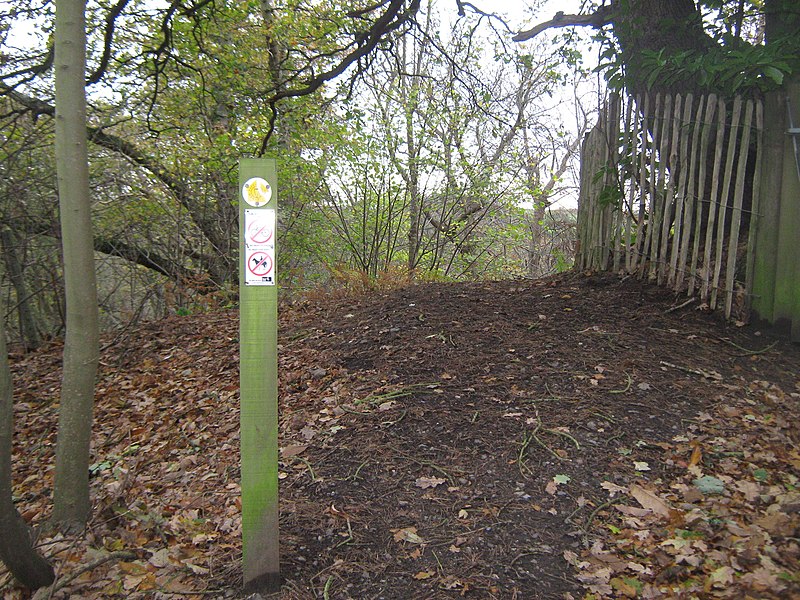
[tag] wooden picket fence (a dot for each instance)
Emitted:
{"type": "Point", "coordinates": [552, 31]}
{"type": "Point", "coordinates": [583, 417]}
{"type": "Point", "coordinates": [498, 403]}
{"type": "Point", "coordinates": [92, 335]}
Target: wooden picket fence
{"type": "Point", "coordinates": [664, 194]}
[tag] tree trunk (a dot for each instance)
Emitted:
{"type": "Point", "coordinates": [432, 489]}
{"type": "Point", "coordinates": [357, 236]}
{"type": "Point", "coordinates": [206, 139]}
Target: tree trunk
{"type": "Point", "coordinates": [415, 202]}
{"type": "Point", "coordinates": [674, 26]}
{"type": "Point", "coordinates": [782, 20]}
{"type": "Point", "coordinates": [71, 505]}
{"type": "Point", "coordinates": [409, 88]}
{"type": "Point", "coordinates": [535, 245]}
{"type": "Point", "coordinates": [16, 550]}
{"type": "Point", "coordinates": [28, 329]}
{"type": "Point", "coordinates": [655, 25]}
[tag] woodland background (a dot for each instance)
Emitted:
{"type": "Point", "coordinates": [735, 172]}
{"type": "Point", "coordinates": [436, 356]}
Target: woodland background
{"type": "Point", "coordinates": [437, 154]}
{"type": "Point", "coordinates": [418, 142]}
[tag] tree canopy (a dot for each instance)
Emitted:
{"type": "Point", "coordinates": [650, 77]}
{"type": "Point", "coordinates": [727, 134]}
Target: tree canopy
{"type": "Point", "coordinates": [401, 127]}
{"type": "Point", "coordinates": [681, 45]}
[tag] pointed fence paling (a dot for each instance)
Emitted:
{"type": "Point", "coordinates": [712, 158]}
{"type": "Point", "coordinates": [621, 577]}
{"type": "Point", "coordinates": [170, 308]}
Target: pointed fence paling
{"type": "Point", "coordinates": [665, 194]}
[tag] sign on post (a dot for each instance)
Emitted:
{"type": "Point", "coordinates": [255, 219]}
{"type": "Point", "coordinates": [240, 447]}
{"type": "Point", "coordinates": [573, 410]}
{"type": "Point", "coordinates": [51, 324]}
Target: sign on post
{"type": "Point", "coordinates": [258, 373]}
{"type": "Point", "coordinates": [259, 244]}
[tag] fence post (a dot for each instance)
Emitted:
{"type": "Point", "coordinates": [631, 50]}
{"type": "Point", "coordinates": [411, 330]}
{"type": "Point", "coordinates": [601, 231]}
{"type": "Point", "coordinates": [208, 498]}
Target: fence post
{"type": "Point", "coordinates": [776, 269]}
{"type": "Point", "coordinates": [787, 281]}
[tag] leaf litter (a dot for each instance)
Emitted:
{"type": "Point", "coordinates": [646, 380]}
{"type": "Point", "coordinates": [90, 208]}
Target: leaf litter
{"type": "Point", "coordinates": [440, 441]}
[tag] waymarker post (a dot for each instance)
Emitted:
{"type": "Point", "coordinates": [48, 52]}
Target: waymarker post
{"type": "Point", "coordinates": [258, 373]}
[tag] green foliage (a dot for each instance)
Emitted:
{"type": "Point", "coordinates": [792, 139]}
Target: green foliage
{"type": "Point", "coordinates": [737, 62]}
{"type": "Point", "coordinates": [723, 70]}
{"type": "Point", "coordinates": [563, 263]}
{"type": "Point", "coordinates": [188, 88]}
{"type": "Point", "coordinates": [610, 62]}
{"type": "Point", "coordinates": [611, 194]}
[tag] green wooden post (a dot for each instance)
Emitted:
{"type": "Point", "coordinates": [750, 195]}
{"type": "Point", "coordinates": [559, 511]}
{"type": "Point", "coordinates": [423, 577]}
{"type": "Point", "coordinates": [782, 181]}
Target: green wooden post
{"type": "Point", "coordinates": [776, 272]}
{"type": "Point", "coordinates": [258, 376]}
{"type": "Point", "coordinates": [786, 315]}
{"type": "Point", "coordinates": [768, 218]}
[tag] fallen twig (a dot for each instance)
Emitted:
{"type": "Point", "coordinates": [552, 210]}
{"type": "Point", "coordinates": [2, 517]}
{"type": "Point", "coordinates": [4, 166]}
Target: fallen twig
{"type": "Point", "coordinates": [349, 538]}
{"type": "Point", "coordinates": [746, 352]}
{"type": "Point", "coordinates": [409, 390]}
{"type": "Point", "coordinates": [526, 440]}
{"type": "Point", "coordinates": [626, 388]}
{"type": "Point", "coordinates": [47, 592]}
{"type": "Point", "coordinates": [566, 435]}
{"type": "Point", "coordinates": [542, 444]}
{"type": "Point", "coordinates": [426, 463]}
{"type": "Point", "coordinates": [593, 514]}
{"type": "Point", "coordinates": [680, 306]}
{"type": "Point", "coordinates": [314, 477]}
{"type": "Point", "coordinates": [701, 372]}
{"type": "Point", "coordinates": [395, 422]}
{"type": "Point", "coordinates": [327, 589]}
{"type": "Point", "coordinates": [354, 476]}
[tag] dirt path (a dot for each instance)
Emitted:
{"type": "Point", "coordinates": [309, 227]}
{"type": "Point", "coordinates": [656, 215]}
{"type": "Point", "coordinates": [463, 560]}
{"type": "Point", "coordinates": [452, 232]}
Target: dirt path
{"type": "Point", "coordinates": [489, 417]}
{"type": "Point", "coordinates": [500, 440]}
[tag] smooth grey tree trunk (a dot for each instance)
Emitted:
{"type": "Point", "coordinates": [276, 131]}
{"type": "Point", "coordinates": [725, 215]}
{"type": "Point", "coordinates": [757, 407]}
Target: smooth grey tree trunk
{"type": "Point", "coordinates": [16, 550]}
{"type": "Point", "coordinates": [71, 504]}
{"type": "Point", "coordinates": [28, 329]}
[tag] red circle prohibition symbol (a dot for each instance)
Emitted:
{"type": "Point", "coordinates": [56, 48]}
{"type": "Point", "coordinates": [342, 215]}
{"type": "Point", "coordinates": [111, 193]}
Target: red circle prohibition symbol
{"type": "Point", "coordinates": [260, 233]}
{"type": "Point", "coordinates": [259, 263]}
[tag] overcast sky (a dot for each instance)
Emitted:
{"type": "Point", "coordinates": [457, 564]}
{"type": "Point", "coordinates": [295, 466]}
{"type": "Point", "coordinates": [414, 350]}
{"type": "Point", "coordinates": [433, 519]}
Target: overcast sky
{"type": "Point", "coordinates": [523, 15]}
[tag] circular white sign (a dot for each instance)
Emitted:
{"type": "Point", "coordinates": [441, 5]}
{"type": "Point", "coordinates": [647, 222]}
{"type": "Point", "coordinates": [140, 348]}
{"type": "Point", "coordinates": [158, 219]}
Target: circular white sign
{"type": "Point", "coordinates": [259, 263]}
{"type": "Point", "coordinates": [259, 232]}
{"type": "Point", "coordinates": [256, 191]}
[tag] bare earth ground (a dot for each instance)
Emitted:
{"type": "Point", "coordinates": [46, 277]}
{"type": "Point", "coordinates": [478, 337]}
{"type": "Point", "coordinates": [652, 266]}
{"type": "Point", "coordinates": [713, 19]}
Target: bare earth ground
{"type": "Point", "coordinates": [561, 438]}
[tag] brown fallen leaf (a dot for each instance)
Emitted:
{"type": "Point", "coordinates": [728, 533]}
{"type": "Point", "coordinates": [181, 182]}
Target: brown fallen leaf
{"type": "Point", "coordinates": [623, 587]}
{"type": "Point", "coordinates": [750, 489]}
{"type": "Point", "coordinates": [407, 534]}
{"type": "Point", "coordinates": [451, 583]}
{"type": "Point", "coordinates": [160, 558]}
{"type": "Point", "coordinates": [721, 577]}
{"type": "Point", "coordinates": [774, 523]}
{"type": "Point", "coordinates": [132, 582]}
{"type": "Point", "coordinates": [697, 454]}
{"type": "Point", "coordinates": [293, 450]}
{"type": "Point", "coordinates": [651, 501]}
{"type": "Point", "coordinates": [632, 511]}
{"type": "Point", "coordinates": [612, 488]}
{"type": "Point", "coordinates": [428, 482]}
{"type": "Point", "coordinates": [763, 579]}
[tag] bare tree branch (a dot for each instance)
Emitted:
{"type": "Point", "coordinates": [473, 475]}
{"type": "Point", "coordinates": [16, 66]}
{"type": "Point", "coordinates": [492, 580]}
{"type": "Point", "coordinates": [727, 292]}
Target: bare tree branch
{"type": "Point", "coordinates": [396, 15]}
{"type": "Point", "coordinates": [97, 135]}
{"type": "Point", "coordinates": [108, 38]}
{"type": "Point", "coordinates": [462, 6]}
{"type": "Point", "coordinates": [602, 16]}
{"type": "Point", "coordinates": [111, 246]}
